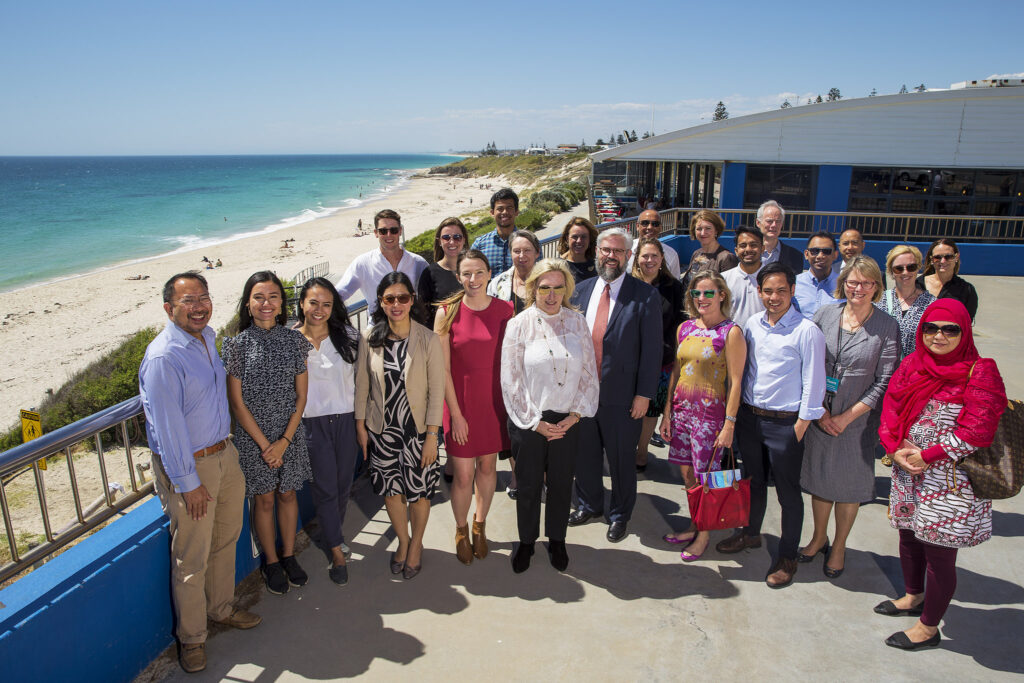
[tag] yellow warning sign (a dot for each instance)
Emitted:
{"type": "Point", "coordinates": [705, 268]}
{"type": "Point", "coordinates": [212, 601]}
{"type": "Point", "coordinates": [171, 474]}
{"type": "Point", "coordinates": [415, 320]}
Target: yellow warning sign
{"type": "Point", "coordinates": [32, 428]}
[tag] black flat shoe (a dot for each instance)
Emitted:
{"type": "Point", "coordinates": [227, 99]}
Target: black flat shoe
{"type": "Point", "coordinates": [900, 641]}
{"type": "Point", "coordinates": [804, 559]}
{"type": "Point", "coordinates": [888, 608]}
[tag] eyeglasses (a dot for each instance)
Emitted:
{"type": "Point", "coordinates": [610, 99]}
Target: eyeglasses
{"type": "Point", "coordinates": [814, 251]}
{"type": "Point", "coordinates": [390, 299]}
{"type": "Point", "coordinates": [608, 251]}
{"type": "Point", "coordinates": [910, 268]}
{"type": "Point", "coordinates": [547, 289]}
{"type": "Point", "coordinates": [930, 329]}
{"type": "Point", "coordinates": [457, 237]}
{"type": "Point", "coordinates": [942, 257]}
{"type": "Point", "coordinates": [192, 302]}
{"type": "Point", "coordinates": [865, 284]}
{"type": "Point", "coordinates": [653, 224]}
{"type": "Point", "coordinates": [708, 293]}
{"type": "Point", "coordinates": [389, 231]}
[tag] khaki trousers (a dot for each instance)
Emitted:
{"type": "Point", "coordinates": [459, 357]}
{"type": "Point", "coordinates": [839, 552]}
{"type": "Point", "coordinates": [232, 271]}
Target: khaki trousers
{"type": "Point", "coordinates": [203, 552]}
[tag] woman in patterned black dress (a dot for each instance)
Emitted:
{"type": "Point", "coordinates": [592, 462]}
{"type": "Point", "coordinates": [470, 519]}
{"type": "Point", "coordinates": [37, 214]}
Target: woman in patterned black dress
{"type": "Point", "coordinates": [266, 364]}
{"type": "Point", "coordinates": [400, 379]}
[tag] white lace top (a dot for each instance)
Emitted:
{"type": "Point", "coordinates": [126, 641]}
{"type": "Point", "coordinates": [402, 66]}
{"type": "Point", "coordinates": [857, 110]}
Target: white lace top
{"type": "Point", "coordinates": [547, 363]}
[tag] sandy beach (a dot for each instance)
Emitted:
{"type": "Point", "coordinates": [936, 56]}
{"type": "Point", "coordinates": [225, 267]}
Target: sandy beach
{"type": "Point", "coordinates": [51, 331]}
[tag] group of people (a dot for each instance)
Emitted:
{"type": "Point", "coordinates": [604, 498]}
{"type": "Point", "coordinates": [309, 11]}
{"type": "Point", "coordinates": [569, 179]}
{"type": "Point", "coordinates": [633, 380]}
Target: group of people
{"type": "Point", "coordinates": [559, 366]}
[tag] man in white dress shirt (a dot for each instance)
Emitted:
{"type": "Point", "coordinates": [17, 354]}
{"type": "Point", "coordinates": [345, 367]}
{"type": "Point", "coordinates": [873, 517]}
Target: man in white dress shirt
{"type": "Point", "coordinates": [367, 270]}
{"type": "Point", "coordinates": [742, 280]}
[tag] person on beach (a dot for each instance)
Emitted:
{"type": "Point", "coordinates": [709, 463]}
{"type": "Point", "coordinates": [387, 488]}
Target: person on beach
{"type": "Point", "coordinates": [770, 219]}
{"type": "Point", "coordinates": [941, 279]}
{"type": "Point", "coordinates": [440, 280]}
{"type": "Point", "coordinates": [549, 383]}
{"type": "Point", "coordinates": [578, 246]}
{"type": "Point", "coordinates": [706, 227]}
{"type": "Point", "coordinates": [496, 244]}
{"type": "Point", "coordinates": [862, 351]}
{"type": "Point", "coordinates": [471, 325]}
{"type": "Point", "coordinates": [707, 374]}
{"type": "Point", "coordinates": [943, 403]}
{"type": "Point", "coordinates": [816, 285]}
{"type": "Point", "coordinates": [195, 466]}
{"type": "Point", "coordinates": [366, 270]}
{"type": "Point", "coordinates": [267, 381]}
{"type": "Point", "coordinates": [907, 300]}
{"type": "Point", "coordinates": [648, 226]}
{"type": "Point", "coordinates": [742, 280]}
{"type": "Point", "coordinates": [329, 418]}
{"type": "Point", "coordinates": [400, 382]}
{"type": "Point", "coordinates": [649, 266]}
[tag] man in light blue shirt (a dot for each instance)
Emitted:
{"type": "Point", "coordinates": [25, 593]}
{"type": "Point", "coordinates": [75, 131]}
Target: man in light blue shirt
{"type": "Point", "coordinates": [815, 287]}
{"type": "Point", "coordinates": [783, 391]}
{"type": "Point", "coordinates": [200, 485]}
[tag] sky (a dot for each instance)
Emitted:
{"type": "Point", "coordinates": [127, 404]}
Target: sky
{"type": "Point", "coordinates": [254, 77]}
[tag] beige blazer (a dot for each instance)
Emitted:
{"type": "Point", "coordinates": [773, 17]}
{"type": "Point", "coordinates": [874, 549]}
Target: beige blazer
{"type": "Point", "coordinates": [423, 375]}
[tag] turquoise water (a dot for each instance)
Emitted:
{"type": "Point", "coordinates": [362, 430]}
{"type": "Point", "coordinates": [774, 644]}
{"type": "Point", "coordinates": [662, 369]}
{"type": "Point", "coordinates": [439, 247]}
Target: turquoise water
{"type": "Point", "coordinates": [62, 216]}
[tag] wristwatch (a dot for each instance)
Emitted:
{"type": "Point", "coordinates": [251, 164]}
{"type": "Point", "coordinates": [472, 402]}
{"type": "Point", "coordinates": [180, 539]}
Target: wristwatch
{"type": "Point", "coordinates": [577, 416]}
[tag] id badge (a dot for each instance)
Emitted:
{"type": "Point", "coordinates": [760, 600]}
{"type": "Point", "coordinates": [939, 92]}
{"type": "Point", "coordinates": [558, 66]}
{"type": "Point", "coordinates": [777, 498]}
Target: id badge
{"type": "Point", "coordinates": [832, 385]}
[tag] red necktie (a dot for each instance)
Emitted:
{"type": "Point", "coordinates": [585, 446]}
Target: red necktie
{"type": "Point", "coordinates": [601, 324]}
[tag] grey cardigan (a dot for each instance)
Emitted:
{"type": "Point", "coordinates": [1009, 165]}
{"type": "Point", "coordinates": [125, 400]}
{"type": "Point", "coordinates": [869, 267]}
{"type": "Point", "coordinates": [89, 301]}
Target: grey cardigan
{"type": "Point", "coordinates": [423, 374]}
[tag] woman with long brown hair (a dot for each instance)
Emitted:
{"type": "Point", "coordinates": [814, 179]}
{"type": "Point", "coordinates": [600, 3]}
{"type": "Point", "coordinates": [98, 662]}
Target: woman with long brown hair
{"type": "Point", "coordinates": [578, 246]}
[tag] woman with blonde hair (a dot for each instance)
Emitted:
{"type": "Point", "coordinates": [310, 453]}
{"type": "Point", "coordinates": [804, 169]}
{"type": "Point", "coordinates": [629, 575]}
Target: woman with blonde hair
{"type": "Point", "coordinates": [471, 325]}
{"type": "Point", "coordinates": [578, 246]}
{"type": "Point", "coordinates": [907, 299]}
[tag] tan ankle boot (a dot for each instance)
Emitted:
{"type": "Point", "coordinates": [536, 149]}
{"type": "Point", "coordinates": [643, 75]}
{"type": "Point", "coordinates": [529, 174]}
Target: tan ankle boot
{"type": "Point", "coordinates": [479, 540]}
{"type": "Point", "coordinates": [462, 549]}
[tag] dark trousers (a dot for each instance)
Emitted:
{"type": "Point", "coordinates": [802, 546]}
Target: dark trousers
{"type": "Point", "coordinates": [615, 434]}
{"type": "Point", "coordinates": [333, 450]}
{"type": "Point", "coordinates": [917, 559]}
{"type": "Point", "coordinates": [770, 441]}
{"type": "Point", "coordinates": [536, 457]}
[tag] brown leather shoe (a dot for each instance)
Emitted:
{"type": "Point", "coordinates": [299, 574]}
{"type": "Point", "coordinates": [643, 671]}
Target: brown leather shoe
{"type": "Point", "coordinates": [479, 540]}
{"type": "Point", "coordinates": [781, 574]}
{"type": "Point", "coordinates": [740, 540]}
{"type": "Point", "coordinates": [463, 551]}
{"type": "Point", "coordinates": [241, 619]}
{"type": "Point", "coordinates": [192, 657]}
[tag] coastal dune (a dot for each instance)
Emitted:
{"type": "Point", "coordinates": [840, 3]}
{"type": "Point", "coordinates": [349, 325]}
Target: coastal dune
{"type": "Point", "coordinates": [51, 331]}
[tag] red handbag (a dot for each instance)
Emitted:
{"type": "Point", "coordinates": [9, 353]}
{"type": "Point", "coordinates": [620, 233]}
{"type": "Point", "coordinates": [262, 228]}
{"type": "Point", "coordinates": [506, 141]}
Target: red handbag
{"type": "Point", "coordinates": [720, 508]}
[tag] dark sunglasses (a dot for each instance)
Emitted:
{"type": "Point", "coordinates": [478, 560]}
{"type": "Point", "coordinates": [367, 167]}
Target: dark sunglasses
{"type": "Point", "coordinates": [545, 289]}
{"type": "Point", "coordinates": [389, 299]}
{"type": "Point", "coordinates": [943, 257]}
{"type": "Point", "coordinates": [655, 224]}
{"type": "Point", "coordinates": [814, 251]}
{"type": "Point", "coordinates": [452, 238]}
{"type": "Point", "coordinates": [388, 231]}
{"type": "Point", "coordinates": [910, 268]}
{"type": "Point", "coordinates": [708, 293]}
{"type": "Point", "coordinates": [948, 331]}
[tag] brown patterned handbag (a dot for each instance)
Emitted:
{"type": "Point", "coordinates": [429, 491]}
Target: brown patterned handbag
{"type": "Point", "coordinates": [997, 471]}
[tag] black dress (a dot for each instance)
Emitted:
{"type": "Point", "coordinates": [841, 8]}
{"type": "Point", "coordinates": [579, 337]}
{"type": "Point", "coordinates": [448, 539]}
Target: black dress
{"type": "Point", "coordinates": [959, 289]}
{"type": "Point", "coordinates": [582, 271]}
{"type": "Point", "coordinates": [436, 284]}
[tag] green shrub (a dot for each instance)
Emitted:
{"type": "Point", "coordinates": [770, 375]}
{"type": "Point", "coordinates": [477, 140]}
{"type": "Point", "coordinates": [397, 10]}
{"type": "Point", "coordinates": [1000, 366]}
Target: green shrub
{"type": "Point", "coordinates": [532, 219]}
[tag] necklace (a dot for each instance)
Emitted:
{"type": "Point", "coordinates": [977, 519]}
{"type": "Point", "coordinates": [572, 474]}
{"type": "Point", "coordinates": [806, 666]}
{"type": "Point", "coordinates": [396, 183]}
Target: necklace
{"type": "Point", "coordinates": [907, 302]}
{"type": "Point", "coordinates": [551, 353]}
{"type": "Point", "coordinates": [851, 320]}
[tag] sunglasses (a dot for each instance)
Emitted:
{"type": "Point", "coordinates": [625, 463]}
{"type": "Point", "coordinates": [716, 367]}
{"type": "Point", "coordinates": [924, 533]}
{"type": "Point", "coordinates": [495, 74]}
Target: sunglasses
{"type": "Point", "coordinates": [910, 268]}
{"type": "Point", "coordinates": [708, 293]}
{"type": "Point", "coordinates": [545, 289]}
{"type": "Point", "coordinates": [814, 251]}
{"type": "Point", "coordinates": [653, 224]}
{"type": "Point", "coordinates": [943, 257]}
{"type": "Point", "coordinates": [929, 329]}
{"type": "Point", "coordinates": [390, 299]}
{"type": "Point", "coordinates": [388, 231]}
{"type": "Point", "coordinates": [452, 238]}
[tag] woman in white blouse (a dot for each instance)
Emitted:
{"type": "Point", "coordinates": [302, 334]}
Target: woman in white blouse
{"type": "Point", "coordinates": [329, 418]}
{"type": "Point", "coordinates": [549, 383]}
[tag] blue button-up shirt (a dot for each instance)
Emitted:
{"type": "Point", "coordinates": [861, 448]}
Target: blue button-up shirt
{"type": "Point", "coordinates": [496, 250]}
{"type": "Point", "coordinates": [785, 365]}
{"type": "Point", "coordinates": [184, 395]}
{"type": "Point", "coordinates": [812, 293]}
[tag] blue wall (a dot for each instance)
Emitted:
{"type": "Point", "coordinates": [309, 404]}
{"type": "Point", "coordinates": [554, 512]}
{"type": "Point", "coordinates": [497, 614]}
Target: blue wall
{"type": "Point", "coordinates": [833, 194]}
{"type": "Point", "coordinates": [734, 179]}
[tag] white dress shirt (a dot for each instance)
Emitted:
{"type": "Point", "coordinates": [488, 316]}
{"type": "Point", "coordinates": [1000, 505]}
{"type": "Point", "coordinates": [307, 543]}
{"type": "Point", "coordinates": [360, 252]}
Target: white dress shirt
{"type": "Point", "coordinates": [746, 302]}
{"type": "Point", "coordinates": [595, 298]}
{"type": "Point", "coordinates": [332, 382]}
{"type": "Point", "coordinates": [367, 270]}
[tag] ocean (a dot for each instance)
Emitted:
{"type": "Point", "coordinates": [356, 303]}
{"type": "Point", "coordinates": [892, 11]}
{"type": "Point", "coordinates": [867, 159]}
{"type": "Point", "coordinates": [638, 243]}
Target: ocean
{"type": "Point", "coordinates": [63, 216]}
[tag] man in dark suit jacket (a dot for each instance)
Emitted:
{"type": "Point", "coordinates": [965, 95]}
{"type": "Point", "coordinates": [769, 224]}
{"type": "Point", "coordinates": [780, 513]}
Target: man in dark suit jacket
{"type": "Point", "coordinates": [770, 217]}
{"type": "Point", "coordinates": [628, 311]}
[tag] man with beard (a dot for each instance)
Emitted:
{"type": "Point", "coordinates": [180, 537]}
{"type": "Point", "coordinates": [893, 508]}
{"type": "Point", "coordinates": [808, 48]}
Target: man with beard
{"type": "Point", "coordinates": [815, 286]}
{"type": "Point", "coordinates": [648, 226]}
{"type": "Point", "coordinates": [494, 244]}
{"type": "Point", "coordinates": [624, 317]}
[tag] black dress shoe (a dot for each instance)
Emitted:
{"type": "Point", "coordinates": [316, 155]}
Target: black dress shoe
{"type": "Point", "coordinates": [579, 517]}
{"type": "Point", "coordinates": [616, 532]}
{"type": "Point", "coordinates": [900, 641]}
{"type": "Point", "coordinates": [889, 609]}
{"type": "Point", "coordinates": [558, 555]}
{"type": "Point", "coordinates": [521, 560]}
{"type": "Point", "coordinates": [804, 559]}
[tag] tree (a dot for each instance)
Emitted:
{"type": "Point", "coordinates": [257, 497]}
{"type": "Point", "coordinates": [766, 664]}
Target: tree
{"type": "Point", "coordinates": [818, 100]}
{"type": "Point", "coordinates": [611, 139]}
{"type": "Point", "coordinates": [920, 88]}
{"type": "Point", "coordinates": [785, 104]}
{"type": "Point", "coordinates": [872, 93]}
{"type": "Point", "coordinates": [833, 95]}
{"type": "Point", "coordinates": [490, 149]}
{"type": "Point", "coordinates": [721, 114]}
{"type": "Point", "coordinates": [632, 136]}
{"type": "Point", "coordinates": [600, 141]}
{"type": "Point", "coordinates": [619, 140]}
{"type": "Point", "coordinates": [903, 89]}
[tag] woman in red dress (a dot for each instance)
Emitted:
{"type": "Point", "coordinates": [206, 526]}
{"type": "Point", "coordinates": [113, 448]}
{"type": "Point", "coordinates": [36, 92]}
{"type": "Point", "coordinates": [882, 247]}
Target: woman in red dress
{"type": "Point", "coordinates": [471, 325]}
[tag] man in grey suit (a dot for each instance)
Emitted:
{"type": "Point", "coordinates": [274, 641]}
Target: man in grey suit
{"type": "Point", "coordinates": [624, 317]}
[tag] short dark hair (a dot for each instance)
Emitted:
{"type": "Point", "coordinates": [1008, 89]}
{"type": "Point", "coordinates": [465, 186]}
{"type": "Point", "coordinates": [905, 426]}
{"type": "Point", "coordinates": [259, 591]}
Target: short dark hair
{"type": "Point", "coordinates": [775, 268]}
{"type": "Point", "coordinates": [747, 230]}
{"type": "Point", "coordinates": [504, 194]}
{"type": "Point", "coordinates": [386, 213]}
{"type": "Point", "coordinates": [187, 275]}
{"type": "Point", "coordinates": [824, 235]}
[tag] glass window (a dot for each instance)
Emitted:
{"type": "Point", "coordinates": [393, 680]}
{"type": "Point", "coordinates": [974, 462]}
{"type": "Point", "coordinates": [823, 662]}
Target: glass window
{"type": "Point", "coordinates": [791, 186]}
{"type": "Point", "coordinates": [995, 183]}
{"type": "Point", "coordinates": [870, 180]}
{"type": "Point", "coordinates": [904, 205]}
{"type": "Point", "coordinates": [944, 207]}
{"type": "Point", "coordinates": [991, 208]}
{"type": "Point", "coordinates": [953, 183]}
{"type": "Point", "coordinates": [869, 204]}
{"type": "Point", "coordinates": [911, 180]}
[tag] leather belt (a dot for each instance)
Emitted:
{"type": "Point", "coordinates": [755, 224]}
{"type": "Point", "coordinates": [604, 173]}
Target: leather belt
{"type": "Point", "coordinates": [210, 450]}
{"type": "Point", "coordinates": [780, 414]}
